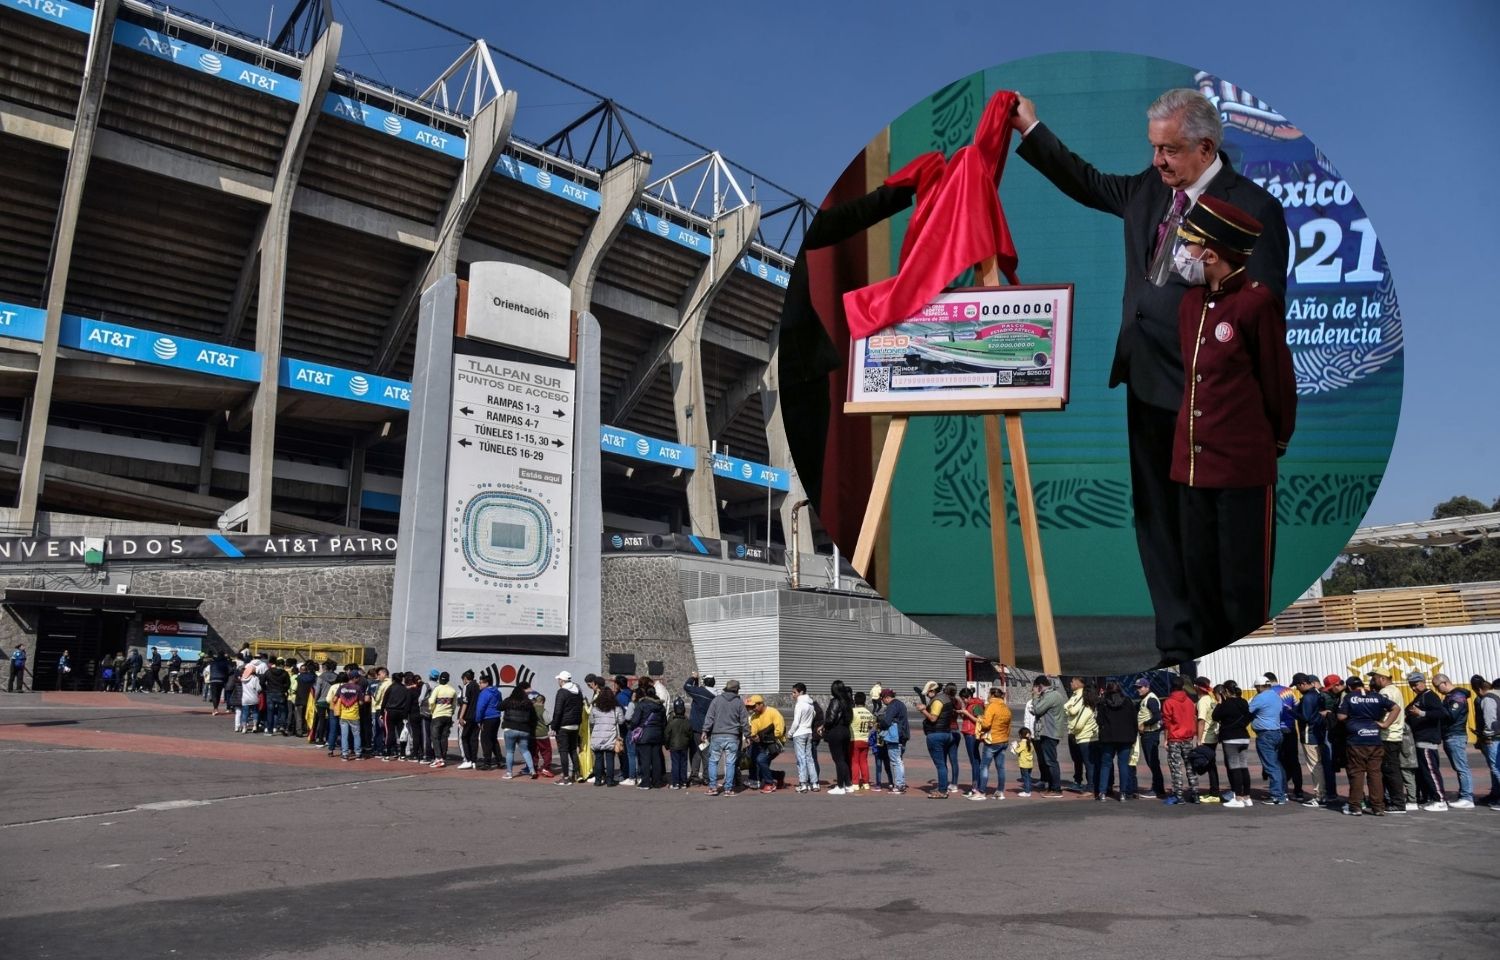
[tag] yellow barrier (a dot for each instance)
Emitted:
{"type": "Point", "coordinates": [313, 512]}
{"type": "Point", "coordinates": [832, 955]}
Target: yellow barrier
{"type": "Point", "coordinates": [1448, 606]}
{"type": "Point", "coordinates": [340, 653]}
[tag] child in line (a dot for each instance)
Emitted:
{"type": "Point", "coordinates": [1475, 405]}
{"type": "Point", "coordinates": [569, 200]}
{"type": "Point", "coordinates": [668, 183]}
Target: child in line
{"type": "Point", "coordinates": [860, 729]}
{"type": "Point", "coordinates": [1025, 753]}
{"type": "Point", "coordinates": [679, 742]}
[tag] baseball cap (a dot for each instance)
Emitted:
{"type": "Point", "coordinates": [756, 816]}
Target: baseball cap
{"type": "Point", "coordinates": [434, 673]}
{"type": "Point", "coordinates": [1416, 676]}
{"type": "Point", "coordinates": [1266, 680]}
{"type": "Point", "coordinates": [1303, 678]}
{"type": "Point", "coordinates": [565, 677]}
{"type": "Point", "coordinates": [754, 699]}
{"type": "Point", "coordinates": [1377, 673]}
{"type": "Point", "coordinates": [887, 692]}
{"type": "Point", "coordinates": [1143, 681]}
{"type": "Point", "coordinates": [1333, 680]}
{"type": "Point", "coordinates": [1354, 682]}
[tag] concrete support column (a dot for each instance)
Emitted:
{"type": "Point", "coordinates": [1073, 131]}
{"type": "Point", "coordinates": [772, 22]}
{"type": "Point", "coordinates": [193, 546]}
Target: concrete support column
{"type": "Point", "coordinates": [356, 484]}
{"type": "Point", "coordinates": [733, 233]}
{"type": "Point", "coordinates": [488, 134]}
{"type": "Point", "coordinates": [781, 453]}
{"type": "Point", "coordinates": [620, 190]}
{"type": "Point", "coordinates": [60, 260]}
{"type": "Point", "coordinates": [317, 76]}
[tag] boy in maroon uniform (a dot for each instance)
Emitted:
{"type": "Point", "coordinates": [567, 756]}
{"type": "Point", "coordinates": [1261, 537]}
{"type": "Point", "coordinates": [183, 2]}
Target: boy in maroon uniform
{"type": "Point", "coordinates": [1238, 411]}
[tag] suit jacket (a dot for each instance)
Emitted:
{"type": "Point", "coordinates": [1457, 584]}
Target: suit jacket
{"type": "Point", "coordinates": [1148, 355]}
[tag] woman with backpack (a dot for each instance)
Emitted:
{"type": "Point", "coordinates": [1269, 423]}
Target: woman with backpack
{"type": "Point", "coordinates": [1115, 723]}
{"type": "Point", "coordinates": [837, 721]}
{"type": "Point", "coordinates": [648, 730]}
{"type": "Point", "coordinates": [518, 719]}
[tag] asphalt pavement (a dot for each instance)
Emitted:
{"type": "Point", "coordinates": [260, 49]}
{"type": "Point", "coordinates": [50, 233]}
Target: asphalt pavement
{"type": "Point", "coordinates": [141, 827]}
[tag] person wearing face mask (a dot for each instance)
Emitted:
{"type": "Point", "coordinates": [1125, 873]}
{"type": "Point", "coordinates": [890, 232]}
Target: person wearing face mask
{"type": "Point", "coordinates": [1239, 408]}
{"type": "Point", "coordinates": [1185, 134]}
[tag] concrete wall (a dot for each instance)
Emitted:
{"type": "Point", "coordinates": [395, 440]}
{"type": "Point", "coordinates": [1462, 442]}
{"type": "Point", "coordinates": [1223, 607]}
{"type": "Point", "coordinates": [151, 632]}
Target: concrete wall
{"type": "Point", "coordinates": [644, 616]}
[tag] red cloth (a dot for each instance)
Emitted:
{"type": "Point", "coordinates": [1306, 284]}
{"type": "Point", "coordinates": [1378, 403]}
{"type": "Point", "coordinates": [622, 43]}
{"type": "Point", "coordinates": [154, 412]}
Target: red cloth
{"type": "Point", "coordinates": [957, 223]}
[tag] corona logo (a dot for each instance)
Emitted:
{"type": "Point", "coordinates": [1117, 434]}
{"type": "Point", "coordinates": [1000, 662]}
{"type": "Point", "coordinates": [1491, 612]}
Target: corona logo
{"type": "Point", "coordinates": [210, 62]}
{"type": "Point", "coordinates": [359, 386]}
{"type": "Point", "coordinates": [1396, 663]}
{"type": "Point", "coordinates": [543, 179]}
{"type": "Point", "coordinates": [392, 125]}
{"type": "Point", "coordinates": [643, 446]}
{"type": "Point", "coordinates": [165, 348]}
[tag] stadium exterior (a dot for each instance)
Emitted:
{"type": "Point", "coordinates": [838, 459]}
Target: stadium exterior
{"type": "Point", "coordinates": [212, 249]}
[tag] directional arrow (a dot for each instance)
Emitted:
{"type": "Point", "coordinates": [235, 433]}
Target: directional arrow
{"type": "Point", "coordinates": [464, 443]}
{"type": "Point", "coordinates": [465, 411]}
{"type": "Point", "coordinates": [557, 443]}
{"type": "Point", "coordinates": [558, 413]}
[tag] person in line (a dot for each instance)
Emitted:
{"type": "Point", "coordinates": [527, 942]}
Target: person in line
{"type": "Point", "coordinates": [970, 710]}
{"type": "Point", "coordinates": [1265, 708]}
{"type": "Point", "coordinates": [517, 720]}
{"type": "Point", "coordinates": [801, 734]}
{"type": "Point", "coordinates": [347, 696]}
{"type": "Point", "coordinates": [153, 682]}
{"type": "Point", "coordinates": [1024, 748]}
{"type": "Point", "coordinates": [1455, 734]}
{"type": "Point", "coordinates": [1424, 717]}
{"type": "Point", "coordinates": [894, 733]}
{"type": "Point", "coordinates": [1487, 733]}
{"type": "Point", "coordinates": [442, 703]}
{"type": "Point", "coordinates": [250, 694]}
{"type": "Point", "coordinates": [700, 697]}
{"type": "Point", "coordinates": [725, 726]}
{"type": "Point", "coordinates": [1336, 746]}
{"type": "Point", "coordinates": [541, 741]}
{"type": "Point", "coordinates": [648, 730]}
{"type": "Point", "coordinates": [861, 729]}
{"type": "Point", "coordinates": [278, 686]}
{"type": "Point", "coordinates": [838, 720]}
{"type": "Point", "coordinates": [395, 706]}
{"type": "Point", "coordinates": [64, 668]}
{"type": "Point", "coordinates": [1047, 729]}
{"type": "Point", "coordinates": [939, 719]}
{"type": "Point", "coordinates": [1081, 710]}
{"type": "Point", "coordinates": [1208, 730]}
{"type": "Point", "coordinates": [1232, 714]}
{"type": "Point", "coordinates": [605, 722]}
{"type": "Point", "coordinates": [680, 741]}
{"type": "Point", "coordinates": [174, 672]}
{"type": "Point", "coordinates": [1396, 796]}
{"type": "Point", "coordinates": [1148, 725]}
{"type": "Point", "coordinates": [767, 738]}
{"type": "Point", "coordinates": [1116, 721]}
{"type": "Point", "coordinates": [468, 722]}
{"type": "Point", "coordinates": [1180, 720]}
{"type": "Point", "coordinates": [567, 720]}
{"type": "Point", "coordinates": [488, 714]}
{"type": "Point", "coordinates": [1364, 716]}
{"type": "Point", "coordinates": [1312, 737]}
{"type": "Point", "coordinates": [993, 728]}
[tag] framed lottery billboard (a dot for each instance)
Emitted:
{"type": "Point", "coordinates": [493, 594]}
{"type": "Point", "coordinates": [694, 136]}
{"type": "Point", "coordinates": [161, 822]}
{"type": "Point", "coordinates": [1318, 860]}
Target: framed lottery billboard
{"type": "Point", "coordinates": [972, 350]}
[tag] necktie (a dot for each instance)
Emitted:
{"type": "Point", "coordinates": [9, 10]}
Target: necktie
{"type": "Point", "coordinates": [1179, 207]}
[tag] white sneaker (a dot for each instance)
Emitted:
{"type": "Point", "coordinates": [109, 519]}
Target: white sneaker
{"type": "Point", "coordinates": [1249, 802]}
{"type": "Point", "coordinates": [836, 791]}
{"type": "Point", "coordinates": [1462, 804]}
{"type": "Point", "coordinates": [1411, 807]}
{"type": "Point", "coordinates": [1437, 806]}
{"type": "Point", "coordinates": [466, 765]}
{"type": "Point", "coordinates": [1236, 803]}
{"type": "Point", "coordinates": [1024, 793]}
{"type": "Point", "coordinates": [998, 795]}
{"type": "Point", "coordinates": [975, 795]}
{"type": "Point", "coordinates": [815, 787]}
{"type": "Point", "coordinates": [627, 782]}
{"type": "Point", "coordinates": [952, 788]}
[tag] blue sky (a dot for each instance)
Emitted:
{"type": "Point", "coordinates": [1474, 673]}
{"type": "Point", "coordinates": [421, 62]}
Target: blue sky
{"type": "Point", "coordinates": [1397, 94]}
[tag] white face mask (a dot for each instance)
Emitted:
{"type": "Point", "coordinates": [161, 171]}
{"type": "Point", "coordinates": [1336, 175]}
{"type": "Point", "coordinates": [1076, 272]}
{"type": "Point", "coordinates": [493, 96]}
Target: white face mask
{"type": "Point", "coordinates": [1188, 268]}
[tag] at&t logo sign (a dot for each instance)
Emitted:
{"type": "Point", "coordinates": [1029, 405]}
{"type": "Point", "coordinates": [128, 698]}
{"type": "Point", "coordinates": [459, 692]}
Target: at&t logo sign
{"type": "Point", "coordinates": [392, 126]}
{"type": "Point", "coordinates": [165, 348]}
{"type": "Point", "coordinates": [643, 446]}
{"type": "Point", "coordinates": [543, 179]}
{"type": "Point", "coordinates": [210, 62]}
{"type": "Point", "coordinates": [359, 386]}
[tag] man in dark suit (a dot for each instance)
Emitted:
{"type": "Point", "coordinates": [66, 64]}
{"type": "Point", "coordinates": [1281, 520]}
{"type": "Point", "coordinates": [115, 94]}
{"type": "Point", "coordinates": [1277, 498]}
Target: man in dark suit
{"type": "Point", "coordinates": [1185, 133]}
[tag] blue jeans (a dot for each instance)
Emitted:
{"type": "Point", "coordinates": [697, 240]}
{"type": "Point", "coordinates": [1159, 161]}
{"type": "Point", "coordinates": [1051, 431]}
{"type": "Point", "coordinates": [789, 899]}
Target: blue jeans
{"type": "Point", "coordinates": [1457, 748]}
{"type": "Point", "coordinates": [249, 715]}
{"type": "Point", "coordinates": [349, 729]}
{"type": "Point", "coordinates": [898, 767]}
{"type": "Point", "coordinates": [1025, 779]}
{"type": "Point", "coordinates": [1112, 756]}
{"type": "Point", "coordinates": [1491, 753]}
{"type": "Point", "coordinates": [679, 768]}
{"type": "Point", "coordinates": [518, 740]}
{"type": "Point", "coordinates": [807, 771]}
{"type": "Point", "coordinates": [723, 753]}
{"type": "Point", "coordinates": [974, 747]}
{"type": "Point", "coordinates": [760, 762]}
{"type": "Point", "coordinates": [1049, 772]}
{"type": "Point", "coordinates": [954, 741]}
{"type": "Point", "coordinates": [991, 753]}
{"type": "Point", "coordinates": [275, 715]}
{"type": "Point", "coordinates": [1268, 748]}
{"type": "Point", "coordinates": [937, 748]}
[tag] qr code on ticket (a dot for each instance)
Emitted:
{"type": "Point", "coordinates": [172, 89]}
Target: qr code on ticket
{"type": "Point", "coordinates": [877, 379]}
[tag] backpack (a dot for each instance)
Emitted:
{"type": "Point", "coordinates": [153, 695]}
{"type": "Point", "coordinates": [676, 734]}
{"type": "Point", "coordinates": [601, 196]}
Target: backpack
{"type": "Point", "coordinates": [817, 719]}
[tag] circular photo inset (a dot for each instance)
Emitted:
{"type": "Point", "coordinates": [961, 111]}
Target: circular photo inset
{"type": "Point", "coordinates": [1135, 302]}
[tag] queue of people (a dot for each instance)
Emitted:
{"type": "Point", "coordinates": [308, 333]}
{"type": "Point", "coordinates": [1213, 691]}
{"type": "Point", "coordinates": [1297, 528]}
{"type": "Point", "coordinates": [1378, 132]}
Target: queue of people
{"type": "Point", "coordinates": [619, 731]}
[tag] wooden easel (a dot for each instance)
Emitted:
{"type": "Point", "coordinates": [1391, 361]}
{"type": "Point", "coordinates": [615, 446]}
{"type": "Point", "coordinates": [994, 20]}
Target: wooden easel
{"type": "Point", "coordinates": [1031, 539]}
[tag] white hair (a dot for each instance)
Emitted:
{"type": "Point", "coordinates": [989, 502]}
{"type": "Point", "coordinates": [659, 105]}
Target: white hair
{"type": "Point", "coordinates": [1200, 118]}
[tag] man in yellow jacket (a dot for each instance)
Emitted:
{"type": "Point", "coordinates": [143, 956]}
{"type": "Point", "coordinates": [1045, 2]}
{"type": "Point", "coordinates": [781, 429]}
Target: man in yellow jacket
{"type": "Point", "coordinates": [767, 736]}
{"type": "Point", "coordinates": [994, 731]}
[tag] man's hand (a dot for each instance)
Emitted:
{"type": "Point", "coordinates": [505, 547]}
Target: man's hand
{"type": "Point", "coordinates": [1025, 114]}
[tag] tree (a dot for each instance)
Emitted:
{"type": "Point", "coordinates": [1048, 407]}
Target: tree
{"type": "Point", "coordinates": [1459, 506]}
